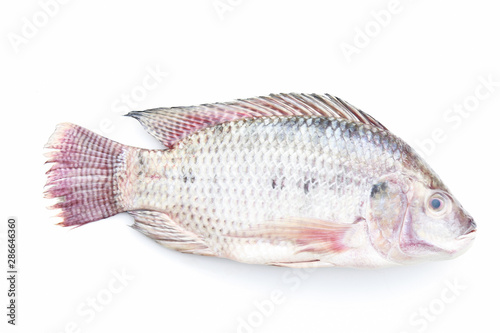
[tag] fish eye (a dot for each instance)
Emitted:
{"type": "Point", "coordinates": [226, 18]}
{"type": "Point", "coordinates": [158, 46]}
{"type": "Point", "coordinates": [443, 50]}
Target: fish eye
{"type": "Point", "coordinates": [437, 204]}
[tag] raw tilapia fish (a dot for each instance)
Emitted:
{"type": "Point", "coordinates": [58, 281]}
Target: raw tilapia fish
{"type": "Point", "coordinates": [290, 180]}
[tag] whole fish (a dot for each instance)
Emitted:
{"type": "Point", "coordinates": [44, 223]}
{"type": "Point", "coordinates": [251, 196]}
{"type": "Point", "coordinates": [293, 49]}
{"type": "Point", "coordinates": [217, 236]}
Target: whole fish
{"type": "Point", "coordinates": [297, 180]}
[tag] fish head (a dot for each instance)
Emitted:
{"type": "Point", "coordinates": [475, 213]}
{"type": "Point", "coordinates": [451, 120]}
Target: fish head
{"type": "Point", "coordinates": [436, 226]}
{"type": "Point", "coordinates": [411, 222]}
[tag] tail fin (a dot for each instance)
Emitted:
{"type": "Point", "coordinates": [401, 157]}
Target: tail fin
{"type": "Point", "coordinates": [82, 174]}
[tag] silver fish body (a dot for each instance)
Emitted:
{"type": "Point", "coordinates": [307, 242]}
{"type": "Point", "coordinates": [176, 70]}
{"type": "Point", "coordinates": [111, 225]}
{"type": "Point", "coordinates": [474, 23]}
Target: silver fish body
{"type": "Point", "coordinates": [293, 189]}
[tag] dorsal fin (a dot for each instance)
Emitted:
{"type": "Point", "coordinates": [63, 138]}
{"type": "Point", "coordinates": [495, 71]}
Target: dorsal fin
{"type": "Point", "coordinates": [169, 125]}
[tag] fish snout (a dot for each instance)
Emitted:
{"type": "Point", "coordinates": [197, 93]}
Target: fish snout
{"type": "Point", "coordinates": [469, 230]}
{"type": "Point", "coordinates": [472, 226]}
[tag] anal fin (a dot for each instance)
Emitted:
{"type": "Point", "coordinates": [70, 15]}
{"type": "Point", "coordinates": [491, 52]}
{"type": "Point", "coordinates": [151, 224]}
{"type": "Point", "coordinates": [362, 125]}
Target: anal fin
{"type": "Point", "coordinates": [160, 227]}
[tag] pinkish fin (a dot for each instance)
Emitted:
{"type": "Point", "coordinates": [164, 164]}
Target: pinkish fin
{"type": "Point", "coordinates": [160, 227]}
{"type": "Point", "coordinates": [309, 235]}
{"type": "Point", "coordinates": [81, 176]}
{"type": "Point", "coordinates": [302, 264]}
{"type": "Point", "coordinates": [169, 125]}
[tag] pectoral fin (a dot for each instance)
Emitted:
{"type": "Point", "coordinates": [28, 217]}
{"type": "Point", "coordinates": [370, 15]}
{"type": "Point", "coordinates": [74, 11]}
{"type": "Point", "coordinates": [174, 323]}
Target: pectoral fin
{"type": "Point", "coordinates": [308, 234]}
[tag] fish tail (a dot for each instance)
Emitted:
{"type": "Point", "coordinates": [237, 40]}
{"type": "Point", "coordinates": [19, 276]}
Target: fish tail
{"type": "Point", "coordinates": [83, 176]}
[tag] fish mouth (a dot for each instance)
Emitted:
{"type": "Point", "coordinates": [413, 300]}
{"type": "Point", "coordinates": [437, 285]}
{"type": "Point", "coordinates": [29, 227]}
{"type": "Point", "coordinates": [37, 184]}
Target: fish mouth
{"type": "Point", "coordinates": [471, 232]}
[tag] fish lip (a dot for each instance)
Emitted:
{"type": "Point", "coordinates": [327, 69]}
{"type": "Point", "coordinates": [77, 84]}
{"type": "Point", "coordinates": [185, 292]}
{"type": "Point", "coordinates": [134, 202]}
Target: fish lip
{"type": "Point", "coordinates": [470, 234]}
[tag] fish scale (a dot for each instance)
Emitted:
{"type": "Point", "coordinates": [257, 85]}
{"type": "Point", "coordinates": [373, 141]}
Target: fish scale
{"type": "Point", "coordinates": [219, 183]}
{"type": "Point", "coordinates": [290, 180]}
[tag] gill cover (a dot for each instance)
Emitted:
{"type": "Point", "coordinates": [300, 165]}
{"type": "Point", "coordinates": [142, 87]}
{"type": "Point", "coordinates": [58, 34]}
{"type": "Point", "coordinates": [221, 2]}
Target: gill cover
{"type": "Point", "coordinates": [386, 215]}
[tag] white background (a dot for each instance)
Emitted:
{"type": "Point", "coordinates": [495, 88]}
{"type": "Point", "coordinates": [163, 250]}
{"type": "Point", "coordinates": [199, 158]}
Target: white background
{"type": "Point", "coordinates": [77, 64]}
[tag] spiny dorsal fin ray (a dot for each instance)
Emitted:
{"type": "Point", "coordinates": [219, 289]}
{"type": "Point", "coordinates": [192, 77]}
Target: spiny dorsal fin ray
{"type": "Point", "coordinates": [169, 125]}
